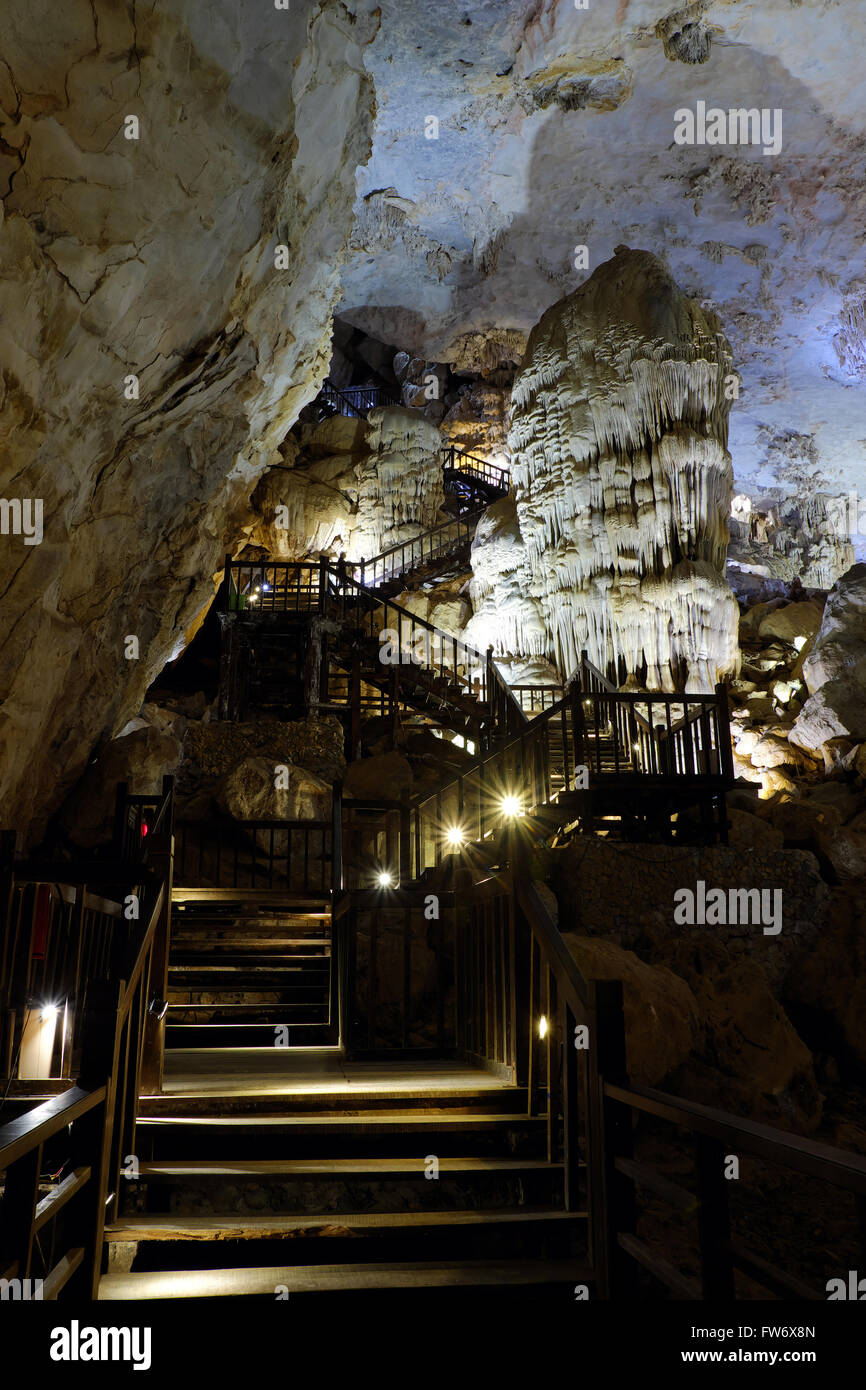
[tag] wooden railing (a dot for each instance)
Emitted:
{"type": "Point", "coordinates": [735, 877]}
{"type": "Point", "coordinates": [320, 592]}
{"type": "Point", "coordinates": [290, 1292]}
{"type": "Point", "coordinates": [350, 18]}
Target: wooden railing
{"type": "Point", "coordinates": [458, 464]}
{"type": "Point", "coordinates": [660, 734]}
{"type": "Point", "coordinates": [357, 400]}
{"type": "Point", "coordinates": [139, 820]}
{"type": "Point", "coordinates": [86, 1137]}
{"type": "Point", "coordinates": [535, 699]}
{"type": "Point", "coordinates": [292, 855]}
{"type": "Point", "coordinates": [273, 586]}
{"type": "Point", "coordinates": [68, 925]}
{"type": "Point", "coordinates": [414, 642]}
{"type": "Point", "coordinates": [717, 1135]}
{"type": "Point", "coordinates": [525, 1011]}
{"type": "Point", "coordinates": [401, 559]}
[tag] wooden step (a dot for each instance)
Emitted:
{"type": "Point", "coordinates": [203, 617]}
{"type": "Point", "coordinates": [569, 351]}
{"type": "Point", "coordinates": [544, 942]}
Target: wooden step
{"type": "Point", "coordinates": [384, 1169]}
{"type": "Point", "coordinates": [279, 1227]}
{"type": "Point", "coordinates": [276, 900]}
{"type": "Point", "coordinates": [264, 1281]}
{"type": "Point", "coordinates": [346, 1098]}
{"type": "Point", "coordinates": [308, 947]}
{"type": "Point", "coordinates": [221, 1035]}
{"type": "Point", "coordinates": [359, 1122]}
{"type": "Point", "coordinates": [288, 1012]}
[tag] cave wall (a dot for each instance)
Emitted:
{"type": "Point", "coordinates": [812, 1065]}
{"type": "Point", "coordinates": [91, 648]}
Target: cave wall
{"type": "Point", "coordinates": [153, 257]}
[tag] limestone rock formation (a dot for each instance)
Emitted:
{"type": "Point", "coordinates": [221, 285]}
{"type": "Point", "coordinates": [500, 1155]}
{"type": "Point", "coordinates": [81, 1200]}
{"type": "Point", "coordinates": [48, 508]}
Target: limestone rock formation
{"type": "Point", "coordinates": [661, 1016]}
{"type": "Point", "coordinates": [477, 421]}
{"type": "Point", "coordinates": [777, 540]}
{"type": "Point", "coordinates": [623, 481]}
{"type": "Point", "coordinates": [249, 792]}
{"type": "Point", "coordinates": [160, 352]}
{"type": "Point", "coordinates": [505, 616]}
{"type": "Point", "coordinates": [353, 485]}
{"type": "Point", "coordinates": [833, 719]}
{"type": "Point", "coordinates": [141, 758]}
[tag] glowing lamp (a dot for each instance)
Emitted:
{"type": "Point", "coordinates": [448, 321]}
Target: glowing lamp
{"type": "Point", "coordinates": [542, 1027]}
{"type": "Point", "coordinates": [511, 805]}
{"type": "Point", "coordinates": [384, 879]}
{"type": "Point", "coordinates": [455, 836]}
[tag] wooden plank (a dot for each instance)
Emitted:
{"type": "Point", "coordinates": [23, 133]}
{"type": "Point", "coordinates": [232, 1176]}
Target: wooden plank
{"type": "Point", "coordinates": [776, 1280]}
{"type": "Point", "coordinates": [56, 1200]}
{"type": "Point", "coordinates": [839, 1166]}
{"type": "Point", "coordinates": [350, 1123]}
{"type": "Point", "coordinates": [673, 1193]}
{"type": "Point", "coordinates": [222, 1283]}
{"type": "Point", "coordinates": [61, 1274]}
{"type": "Point", "coordinates": [19, 1136]}
{"type": "Point", "coordinates": [303, 904]}
{"type": "Point", "coordinates": [164, 1169]}
{"type": "Point", "coordinates": [328, 1224]}
{"type": "Point", "coordinates": [680, 1284]}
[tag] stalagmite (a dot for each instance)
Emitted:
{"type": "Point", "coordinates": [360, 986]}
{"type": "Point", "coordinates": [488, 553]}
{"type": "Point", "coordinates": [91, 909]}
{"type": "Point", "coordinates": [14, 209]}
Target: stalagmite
{"type": "Point", "coordinates": [399, 481]}
{"type": "Point", "coordinates": [623, 484]}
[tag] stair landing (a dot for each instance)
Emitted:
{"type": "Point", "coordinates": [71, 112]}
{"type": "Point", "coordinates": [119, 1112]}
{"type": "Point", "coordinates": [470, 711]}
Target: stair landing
{"type": "Point", "coordinates": [298, 1071]}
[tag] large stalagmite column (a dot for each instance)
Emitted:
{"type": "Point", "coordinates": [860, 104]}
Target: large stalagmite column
{"type": "Point", "coordinates": [623, 481]}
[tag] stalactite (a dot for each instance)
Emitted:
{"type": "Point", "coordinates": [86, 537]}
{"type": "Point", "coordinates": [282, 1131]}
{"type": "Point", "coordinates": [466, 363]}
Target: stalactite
{"type": "Point", "coordinates": [623, 485]}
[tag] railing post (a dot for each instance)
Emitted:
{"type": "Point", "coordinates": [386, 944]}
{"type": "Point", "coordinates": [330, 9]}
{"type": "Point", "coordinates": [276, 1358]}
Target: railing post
{"type": "Point", "coordinates": [337, 838]}
{"type": "Point", "coordinates": [490, 692]}
{"type": "Point", "coordinates": [726, 757]}
{"type": "Point", "coordinates": [714, 1226]}
{"type": "Point", "coordinates": [100, 1067]}
{"type": "Point", "coordinates": [611, 1194]}
{"type": "Point", "coordinates": [160, 860]}
{"type": "Point", "coordinates": [405, 844]}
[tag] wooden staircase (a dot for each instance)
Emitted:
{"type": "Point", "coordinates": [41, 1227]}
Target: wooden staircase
{"type": "Point", "coordinates": [243, 966]}
{"type": "Point", "coordinates": [413, 1190]}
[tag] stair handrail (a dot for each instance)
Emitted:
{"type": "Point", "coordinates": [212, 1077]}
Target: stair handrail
{"type": "Point", "coordinates": [463, 522]}
{"type": "Point", "coordinates": [100, 1111]}
{"type": "Point", "coordinates": [509, 716]}
{"type": "Point", "coordinates": [664, 734]}
{"type": "Point", "coordinates": [493, 473]}
{"type": "Point", "coordinates": [343, 586]}
{"type": "Point", "coordinates": [389, 397]}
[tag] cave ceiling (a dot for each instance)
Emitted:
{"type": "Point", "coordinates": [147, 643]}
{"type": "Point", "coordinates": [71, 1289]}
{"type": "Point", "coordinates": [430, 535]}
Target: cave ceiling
{"type": "Point", "coordinates": [556, 130]}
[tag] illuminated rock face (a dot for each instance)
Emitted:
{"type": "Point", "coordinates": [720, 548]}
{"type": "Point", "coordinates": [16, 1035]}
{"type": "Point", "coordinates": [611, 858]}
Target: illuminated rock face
{"type": "Point", "coordinates": [623, 481]}
{"type": "Point", "coordinates": [399, 481]}
{"type": "Point", "coordinates": [155, 258]}
{"type": "Point", "coordinates": [353, 486]}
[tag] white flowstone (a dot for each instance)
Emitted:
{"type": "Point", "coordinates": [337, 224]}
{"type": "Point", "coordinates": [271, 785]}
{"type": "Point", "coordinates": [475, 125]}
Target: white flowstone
{"type": "Point", "coordinates": [622, 487]}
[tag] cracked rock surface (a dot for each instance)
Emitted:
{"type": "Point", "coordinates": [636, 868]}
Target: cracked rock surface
{"type": "Point", "coordinates": [153, 258]}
